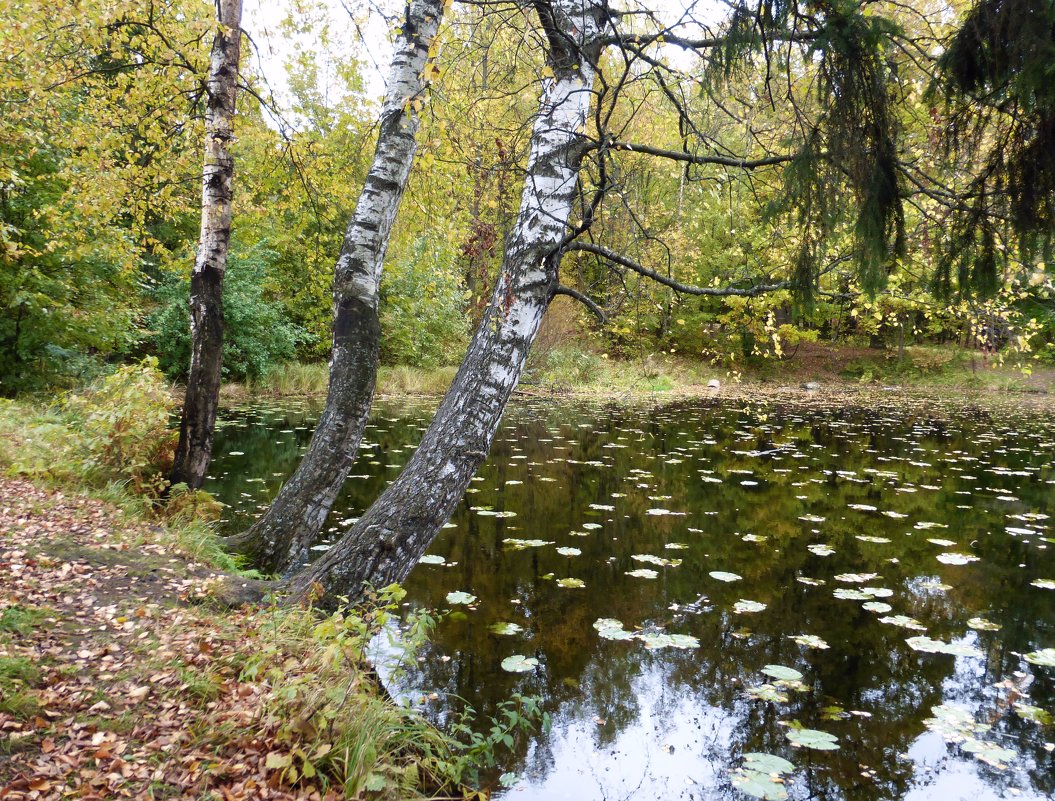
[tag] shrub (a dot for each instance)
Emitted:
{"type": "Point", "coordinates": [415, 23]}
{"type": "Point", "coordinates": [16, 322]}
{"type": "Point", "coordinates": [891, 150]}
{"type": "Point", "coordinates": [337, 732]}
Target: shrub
{"type": "Point", "coordinates": [423, 320]}
{"type": "Point", "coordinates": [257, 332]}
{"type": "Point", "coordinates": [123, 422]}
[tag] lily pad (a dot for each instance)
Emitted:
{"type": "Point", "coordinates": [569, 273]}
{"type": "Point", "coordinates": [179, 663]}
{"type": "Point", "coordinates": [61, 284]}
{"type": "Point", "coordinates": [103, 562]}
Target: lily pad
{"type": "Point", "coordinates": [518, 663]}
{"type": "Point", "coordinates": [571, 583]}
{"type": "Point", "coordinates": [507, 629]}
{"type": "Point", "coordinates": [460, 597]}
{"type": "Point", "coordinates": [981, 624]}
{"type": "Point", "coordinates": [851, 595]}
{"type": "Point", "coordinates": [655, 560]}
{"type": "Point", "coordinates": [810, 641]}
{"type": "Point", "coordinates": [432, 559]}
{"type": "Point", "coordinates": [566, 551]}
{"type": "Point", "coordinates": [1045, 657]}
{"type": "Point", "coordinates": [767, 763]}
{"type": "Point", "coordinates": [856, 578]}
{"type": "Point", "coordinates": [746, 607]}
{"type": "Point", "coordinates": [654, 641]}
{"type": "Point", "coordinates": [988, 752]}
{"type": "Point", "coordinates": [721, 575]}
{"type": "Point", "coordinates": [1044, 584]}
{"type": "Point", "coordinates": [519, 545]}
{"type": "Point", "coordinates": [877, 606]}
{"type": "Point", "coordinates": [642, 572]}
{"type": "Point", "coordinates": [812, 738]}
{"type": "Point", "coordinates": [903, 621]}
{"type": "Point", "coordinates": [611, 629]}
{"type": "Point", "coordinates": [767, 692]}
{"type": "Point", "coordinates": [820, 549]}
{"type": "Point", "coordinates": [930, 646]}
{"type": "Point", "coordinates": [781, 672]}
{"type": "Point", "coordinates": [953, 558]}
{"type": "Point", "coordinates": [1034, 713]}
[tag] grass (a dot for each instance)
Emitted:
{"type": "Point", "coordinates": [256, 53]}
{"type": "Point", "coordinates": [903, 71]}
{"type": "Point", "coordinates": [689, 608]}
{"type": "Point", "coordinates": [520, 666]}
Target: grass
{"type": "Point", "coordinates": [17, 677]}
{"type": "Point", "coordinates": [296, 379]}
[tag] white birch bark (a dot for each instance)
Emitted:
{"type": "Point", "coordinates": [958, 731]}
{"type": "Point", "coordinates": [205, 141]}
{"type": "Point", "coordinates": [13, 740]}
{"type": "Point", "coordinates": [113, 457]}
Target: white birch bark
{"type": "Point", "coordinates": [397, 529]}
{"type": "Point", "coordinates": [280, 538]}
{"type": "Point", "coordinates": [198, 421]}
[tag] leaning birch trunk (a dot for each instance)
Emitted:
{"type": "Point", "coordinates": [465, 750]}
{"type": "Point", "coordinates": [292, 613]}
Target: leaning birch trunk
{"type": "Point", "coordinates": [397, 529]}
{"type": "Point", "coordinates": [281, 537]}
{"type": "Point", "coordinates": [198, 421]}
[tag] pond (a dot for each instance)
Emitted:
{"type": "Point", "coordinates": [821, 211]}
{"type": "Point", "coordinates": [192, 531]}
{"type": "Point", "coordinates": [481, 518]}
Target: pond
{"type": "Point", "coordinates": [702, 590]}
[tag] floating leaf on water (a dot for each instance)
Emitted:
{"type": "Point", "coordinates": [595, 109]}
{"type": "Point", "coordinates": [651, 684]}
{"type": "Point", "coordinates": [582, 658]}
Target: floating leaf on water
{"type": "Point", "coordinates": [781, 672]}
{"type": "Point", "coordinates": [655, 560]}
{"type": "Point", "coordinates": [767, 763]}
{"type": "Point", "coordinates": [507, 629]}
{"type": "Point", "coordinates": [954, 723]}
{"type": "Point", "coordinates": [856, 578]}
{"type": "Point", "coordinates": [459, 597]}
{"type": "Point", "coordinates": [432, 559]}
{"type": "Point", "coordinates": [721, 575]}
{"type": "Point", "coordinates": [820, 549]}
{"type": "Point", "coordinates": [518, 663]}
{"type": "Point", "coordinates": [1034, 713]}
{"type": "Point", "coordinates": [953, 558]}
{"type": "Point", "coordinates": [653, 641]}
{"type": "Point", "coordinates": [894, 515]}
{"type": "Point", "coordinates": [744, 606]}
{"type": "Point", "coordinates": [767, 692]}
{"type": "Point", "coordinates": [810, 581]}
{"type": "Point", "coordinates": [812, 518]}
{"type": "Point", "coordinates": [942, 543]}
{"type": "Point", "coordinates": [851, 595]}
{"type": "Point", "coordinates": [571, 583]}
{"type": "Point", "coordinates": [642, 572]}
{"type": "Point", "coordinates": [810, 641]}
{"type": "Point", "coordinates": [508, 779]}
{"type": "Point", "coordinates": [877, 606]}
{"type": "Point", "coordinates": [922, 525]}
{"type": "Point", "coordinates": [1045, 657]}
{"type": "Point", "coordinates": [611, 629]}
{"type": "Point", "coordinates": [866, 538]}
{"type": "Point", "coordinates": [930, 646]}
{"type": "Point", "coordinates": [565, 551]}
{"type": "Point", "coordinates": [877, 592]}
{"type": "Point", "coordinates": [675, 546]}
{"type": "Point", "coordinates": [591, 526]}
{"type": "Point", "coordinates": [981, 624]}
{"type": "Point", "coordinates": [518, 545]}
{"type": "Point", "coordinates": [812, 738]}
{"type": "Point", "coordinates": [861, 507]}
{"type": "Point", "coordinates": [989, 753]}
{"type": "Point", "coordinates": [903, 621]}
{"type": "Point", "coordinates": [1044, 584]}
{"type": "Point", "coordinates": [754, 538]}
{"type": "Point", "coordinates": [493, 513]}
{"type": "Point", "coordinates": [759, 784]}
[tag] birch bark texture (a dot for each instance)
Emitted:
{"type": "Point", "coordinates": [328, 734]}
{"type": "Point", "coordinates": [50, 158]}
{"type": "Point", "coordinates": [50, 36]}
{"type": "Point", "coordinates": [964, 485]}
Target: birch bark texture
{"type": "Point", "coordinates": [398, 527]}
{"type": "Point", "coordinates": [280, 539]}
{"type": "Point", "coordinates": [198, 420]}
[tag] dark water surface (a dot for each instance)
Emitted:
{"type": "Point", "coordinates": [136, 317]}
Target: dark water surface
{"type": "Point", "coordinates": [847, 545]}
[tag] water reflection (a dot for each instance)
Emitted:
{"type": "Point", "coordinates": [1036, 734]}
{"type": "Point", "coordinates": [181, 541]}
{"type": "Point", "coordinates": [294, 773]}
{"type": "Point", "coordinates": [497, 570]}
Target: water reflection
{"type": "Point", "coordinates": [803, 504]}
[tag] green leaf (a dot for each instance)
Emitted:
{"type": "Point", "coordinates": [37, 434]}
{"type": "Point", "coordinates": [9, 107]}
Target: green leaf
{"type": "Point", "coordinates": [518, 663]}
{"type": "Point", "coordinates": [459, 597]}
{"type": "Point", "coordinates": [1044, 657]}
{"type": "Point", "coordinates": [781, 672]}
{"type": "Point", "coordinates": [812, 738]}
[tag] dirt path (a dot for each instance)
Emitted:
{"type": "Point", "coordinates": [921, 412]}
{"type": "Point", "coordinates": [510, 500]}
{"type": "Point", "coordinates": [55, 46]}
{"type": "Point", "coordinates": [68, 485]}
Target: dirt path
{"type": "Point", "coordinates": [112, 683]}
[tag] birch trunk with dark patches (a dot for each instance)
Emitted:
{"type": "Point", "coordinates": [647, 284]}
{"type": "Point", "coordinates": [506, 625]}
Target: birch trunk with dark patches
{"type": "Point", "coordinates": [281, 537]}
{"type": "Point", "coordinates": [198, 421]}
{"type": "Point", "coordinates": [397, 529]}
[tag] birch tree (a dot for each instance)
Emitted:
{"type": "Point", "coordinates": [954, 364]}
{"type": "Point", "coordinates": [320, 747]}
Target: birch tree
{"type": "Point", "coordinates": [390, 538]}
{"type": "Point", "coordinates": [198, 421]}
{"type": "Point", "coordinates": [280, 538]}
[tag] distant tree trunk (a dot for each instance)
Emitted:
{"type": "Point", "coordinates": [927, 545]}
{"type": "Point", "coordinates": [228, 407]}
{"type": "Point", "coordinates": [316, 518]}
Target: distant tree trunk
{"type": "Point", "coordinates": [280, 538]}
{"type": "Point", "coordinates": [206, 286]}
{"type": "Point", "coordinates": [397, 529]}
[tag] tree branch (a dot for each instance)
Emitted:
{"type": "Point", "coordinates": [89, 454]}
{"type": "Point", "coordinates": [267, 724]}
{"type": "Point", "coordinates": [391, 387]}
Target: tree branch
{"type": "Point", "coordinates": [677, 286]}
{"type": "Point", "coordinates": [583, 299]}
{"type": "Point", "coordinates": [692, 158]}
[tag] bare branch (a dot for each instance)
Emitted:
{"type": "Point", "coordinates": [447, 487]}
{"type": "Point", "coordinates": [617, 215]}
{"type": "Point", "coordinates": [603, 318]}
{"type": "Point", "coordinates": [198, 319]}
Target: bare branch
{"type": "Point", "coordinates": [583, 299]}
{"type": "Point", "coordinates": [677, 286]}
{"type": "Point", "coordinates": [692, 158]}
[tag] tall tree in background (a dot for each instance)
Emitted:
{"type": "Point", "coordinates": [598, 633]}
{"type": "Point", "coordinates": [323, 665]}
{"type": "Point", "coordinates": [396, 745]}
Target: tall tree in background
{"type": "Point", "coordinates": [296, 516]}
{"type": "Point", "coordinates": [206, 300]}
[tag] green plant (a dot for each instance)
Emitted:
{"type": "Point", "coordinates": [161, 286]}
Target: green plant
{"type": "Point", "coordinates": [423, 320]}
{"type": "Point", "coordinates": [123, 421]}
{"type": "Point", "coordinates": [257, 332]}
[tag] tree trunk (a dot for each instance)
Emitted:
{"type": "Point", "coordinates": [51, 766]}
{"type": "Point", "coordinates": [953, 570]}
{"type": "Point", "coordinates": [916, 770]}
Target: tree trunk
{"type": "Point", "coordinates": [397, 529]}
{"type": "Point", "coordinates": [206, 285]}
{"type": "Point", "coordinates": [280, 539]}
